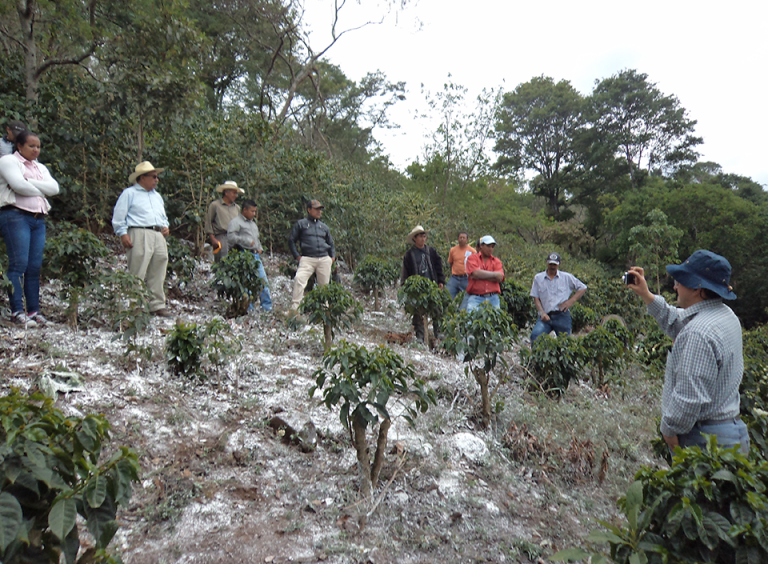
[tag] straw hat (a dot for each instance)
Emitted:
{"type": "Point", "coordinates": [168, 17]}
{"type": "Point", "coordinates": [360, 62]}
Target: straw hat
{"type": "Point", "coordinates": [143, 168]}
{"type": "Point", "coordinates": [418, 230]}
{"type": "Point", "coordinates": [229, 185]}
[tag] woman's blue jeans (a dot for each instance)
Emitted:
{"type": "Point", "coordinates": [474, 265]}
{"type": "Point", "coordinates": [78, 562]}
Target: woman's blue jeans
{"type": "Point", "coordinates": [24, 237]}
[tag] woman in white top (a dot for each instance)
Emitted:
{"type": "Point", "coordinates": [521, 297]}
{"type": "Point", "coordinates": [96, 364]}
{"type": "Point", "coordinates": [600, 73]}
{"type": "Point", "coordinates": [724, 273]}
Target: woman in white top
{"type": "Point", "coordinates": [24, 185]}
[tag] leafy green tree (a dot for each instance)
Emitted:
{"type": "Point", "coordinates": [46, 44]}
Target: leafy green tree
{"type": "Point", "coordinates": [654, 245]}
{"type": "Point", "coordinates": [648, 129]}
{"type": "Point", "coordinates": [480, 337]}
{"type": "Point", "coordinates": [536, 130]}
{"type": "Point", "coordinates": [332, 306]}
{"type": "Point", "coordinates": [421, 296]}
{"type": "Point", "coordinates": [236, 278]}
{"type": "Point", "coordinates": [188, 344]}
{"type": "Point", "coordinates": [72, 257]}
{"type": "Point", "coordinates": [517, 302]}
{"type": "Point", "coordinates": [553, 363]}
{"type": "Point", "coordinates": [52, 472]}
{"type": "Point", "coordinates": [376, 274]}
{"type": "Point", "coordinates": [363, 382]}
{"type": "Point", "coordinates": [605, 348]}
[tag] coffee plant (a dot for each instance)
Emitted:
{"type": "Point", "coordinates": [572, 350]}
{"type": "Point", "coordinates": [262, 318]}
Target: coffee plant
{"type": "Point", "coordinates": [709, 506]}
{"type": "Point", "coordinates": [331, 306]}
{"type": "Point", "coordinates": [553, 362]}
{"type": "Point", "coordinates": [236, 279]}
{"type": "Point", "coordinates": [421, 296]}
{"type": "Point", "coordinates": [605, 349]}
{"type": "Point", "coordinates": [375, 274]}
{"type": "Point", "coordinates": [189, 344]}
{"type": "Point", "coordinates": [72, 256]}
{"type": "Point", "coordinates": [181, 261]}
{"type": "Point", "coordinates": [583, 317]}
{"type": "Point", "coordinates": [479, 338]}
{"type": "Point", "coordinates": [518, 303]}
{"type": "Point", "coordinates": [653, 348]}
{"type": "Point", "coordinates": [51, 473]}
{"type": "Point", "coordinates": [362, 382]}
{"type": "Point", "coordinates": [754, 387]}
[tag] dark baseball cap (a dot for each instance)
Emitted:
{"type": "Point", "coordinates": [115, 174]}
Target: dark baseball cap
{"type": "Point", "coordinates": [16, 126]}
{"type": "Point", "coordinates": [553, 258]}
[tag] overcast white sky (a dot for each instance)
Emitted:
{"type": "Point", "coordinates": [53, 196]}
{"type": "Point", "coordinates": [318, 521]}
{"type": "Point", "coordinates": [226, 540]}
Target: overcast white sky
{"type": "Point", "coordinates": [712, 55]}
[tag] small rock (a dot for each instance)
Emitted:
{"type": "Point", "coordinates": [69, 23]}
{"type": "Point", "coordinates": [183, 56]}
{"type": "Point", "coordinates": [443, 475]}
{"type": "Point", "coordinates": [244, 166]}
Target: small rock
{"type": "Point", "coordinates": [472, 447]}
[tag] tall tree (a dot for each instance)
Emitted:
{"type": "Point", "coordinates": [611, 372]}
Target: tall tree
{"type": "Point", "coordinates": [536, 130]}
{"type": "Point", "coordinates": [646, 128]}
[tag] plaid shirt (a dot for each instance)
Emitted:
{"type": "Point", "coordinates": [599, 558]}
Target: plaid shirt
{"type": "Point", "coordinates": [704, 367]}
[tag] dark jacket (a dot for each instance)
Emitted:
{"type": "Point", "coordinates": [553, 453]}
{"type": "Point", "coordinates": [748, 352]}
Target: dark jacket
{"type": "Point", "coordinates": [410, 268]}
{"type": "Point", "coordinates": [314, 237]}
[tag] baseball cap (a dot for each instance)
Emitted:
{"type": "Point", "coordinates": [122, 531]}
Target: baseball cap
{"type": "Point", "coordinates": [487, 240]}
{"type": "Point", "coordinates": [553, 258]}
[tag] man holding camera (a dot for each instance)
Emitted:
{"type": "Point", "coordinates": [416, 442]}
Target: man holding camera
{"type": "Point", "coordinates": [551, 292]}
{"type": "Point", "coordinates": [705, 365]}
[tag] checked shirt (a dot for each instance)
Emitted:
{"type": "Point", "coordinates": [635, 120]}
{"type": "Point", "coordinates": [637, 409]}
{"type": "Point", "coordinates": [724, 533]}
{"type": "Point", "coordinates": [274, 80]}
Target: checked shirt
{"type": "Point", "coordinates": [704, 367]}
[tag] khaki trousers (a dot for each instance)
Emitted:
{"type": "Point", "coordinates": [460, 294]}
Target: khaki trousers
{"type": "Point", "coordinates": [308, 266]}
{"type": "Point", "coordinates": [148, 260]}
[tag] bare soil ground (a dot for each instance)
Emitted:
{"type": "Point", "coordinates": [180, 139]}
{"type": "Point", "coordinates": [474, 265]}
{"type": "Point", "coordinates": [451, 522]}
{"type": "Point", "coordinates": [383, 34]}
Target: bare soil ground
{"type": "Point", "coordinates": [220, 485]}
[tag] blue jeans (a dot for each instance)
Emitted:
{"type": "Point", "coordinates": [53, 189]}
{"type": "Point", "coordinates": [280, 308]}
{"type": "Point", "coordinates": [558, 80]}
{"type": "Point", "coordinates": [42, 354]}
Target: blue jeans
{"type": "Point", "coordinates": [473, 302]}
{"type": "Point", "coordinates": [560, 323]}
{"type": "Point", "coordinates": [456, 284]}
{"type": "Point", "coordinates": [728, 433]}
{"type": "Point", "coordinates": [24, 237]}
{"type": "Point", "coordinates": [265, 297]}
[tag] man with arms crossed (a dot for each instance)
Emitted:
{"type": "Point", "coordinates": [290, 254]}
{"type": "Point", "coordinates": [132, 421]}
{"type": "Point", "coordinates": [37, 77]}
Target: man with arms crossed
{"type": "Point", "coordinates": [705, 365]}
{"type": "Point", "coordinates": [551, 291]}
{"type": "Point", "coordinates": [485, 275]}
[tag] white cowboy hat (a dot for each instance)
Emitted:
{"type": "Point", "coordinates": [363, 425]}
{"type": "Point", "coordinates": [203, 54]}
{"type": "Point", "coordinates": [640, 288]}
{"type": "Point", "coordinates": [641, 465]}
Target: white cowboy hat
{"type": "Point", "coordinates": [418, 230]}
{"type": "Point", "coordinates": [143, 168]}
{"type": "Point", "coordinates": [230, 185]}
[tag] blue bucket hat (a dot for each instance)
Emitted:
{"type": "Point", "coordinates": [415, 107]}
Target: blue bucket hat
{"type": "Point", "coordinates": [704, 269]}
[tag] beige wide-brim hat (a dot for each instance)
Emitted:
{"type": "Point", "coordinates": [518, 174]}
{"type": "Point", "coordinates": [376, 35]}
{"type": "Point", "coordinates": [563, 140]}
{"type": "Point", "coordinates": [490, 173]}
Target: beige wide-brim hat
{"type": "Point", "coordinates": [229, 185]}
{"type": "Point", "coordinates": [143, 168]}
{"type": "Point", "coordinates": [418, 230]}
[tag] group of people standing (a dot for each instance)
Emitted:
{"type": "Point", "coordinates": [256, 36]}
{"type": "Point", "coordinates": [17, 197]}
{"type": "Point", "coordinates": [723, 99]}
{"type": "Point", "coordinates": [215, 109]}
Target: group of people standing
{"type": "Point", "coordinates": [478, 275]}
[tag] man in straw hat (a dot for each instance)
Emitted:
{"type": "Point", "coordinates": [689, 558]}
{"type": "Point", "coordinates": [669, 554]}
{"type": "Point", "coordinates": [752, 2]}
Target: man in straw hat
{"type": "Point", "coordinates": [139, 220]}
{"type": "Point", "coordinates": [220, 213]}
{"type": "Point", "coordinates": [317, 251]}
{"type": "Point", "coordinates": [422, 260]}
{"type": "Point", "coordinates": [705, 365]}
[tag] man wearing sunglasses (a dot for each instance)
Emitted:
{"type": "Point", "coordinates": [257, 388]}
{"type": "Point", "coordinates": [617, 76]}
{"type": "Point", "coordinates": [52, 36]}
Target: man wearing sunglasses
{"type": "Point", "coordinates": [485, 273]}
{"type": "Point", "coordinates": [139, 220]}
{"type": "Point", "coordinates": [705, 365]}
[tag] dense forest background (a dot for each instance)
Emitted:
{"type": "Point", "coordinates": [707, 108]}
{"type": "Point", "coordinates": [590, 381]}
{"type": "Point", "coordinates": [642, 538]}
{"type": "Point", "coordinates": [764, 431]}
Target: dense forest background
{"type": "Point", "coordinates": [234, 90]}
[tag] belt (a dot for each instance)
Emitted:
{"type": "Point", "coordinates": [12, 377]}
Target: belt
{"type": "Point", "coordinates": [554, 312]}
{"type": "Point", "coordinates": [718, 421]}
{"type": "Point", "coordinates": [150, 227]}
{"type": "Point", "coordinates": [488, 295]}
{"type": "Point", "coordinates": [11, 207]}
{"type": "Point", "coordinates": [458, 275]}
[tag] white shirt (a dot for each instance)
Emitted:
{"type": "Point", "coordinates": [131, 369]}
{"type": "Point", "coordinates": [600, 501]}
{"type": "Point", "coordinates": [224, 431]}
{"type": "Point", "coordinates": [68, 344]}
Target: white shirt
{"type": "Point", "coordinates": [554, 291]}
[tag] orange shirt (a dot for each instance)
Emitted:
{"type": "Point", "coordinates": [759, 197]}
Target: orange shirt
{"type": "Point", "coordinates": [456, 258]}
{"type": "Point", "coordinates": [479, 287]}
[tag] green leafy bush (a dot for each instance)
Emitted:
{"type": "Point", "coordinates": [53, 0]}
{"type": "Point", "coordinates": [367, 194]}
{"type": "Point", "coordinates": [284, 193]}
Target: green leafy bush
{"type": "Point", "coordinates": [553, 362]}
{"type": "Point", "coordinates": [362, 382]}
{"type": "Point", "coordinates": [188, 344]}
{"type": "Point", "coordinates": [50, 474]}
{"type": "Point", "coordinates": [181, 261]}
{"type": "Point", "coordinates": [605, 349]}
{"type": "Point", "coordinates": [754, 387]}
{"type": "Point", "coordinates": [331, 306]}
{"type": "Point", "coordinates": [710, 506]}
{"type": "Point", "coordinates": [653, 348]}
{"type": "Point", "coordinates": [72, 256]}
{"type": "Point", "coordinates": [610, 296]}
{"type": "Point", "coordinates": [236, 279]}
{"type": "Point", "coordinates": [518, 303]}
{"type": "Point", "coordinates": [583, 316]}
{"type": "Point", "coordinates": [374, 274]}
{"type": "Point", "coordinates": [480, 337]}
{"type": "Point", "coordinates": [421, 296]}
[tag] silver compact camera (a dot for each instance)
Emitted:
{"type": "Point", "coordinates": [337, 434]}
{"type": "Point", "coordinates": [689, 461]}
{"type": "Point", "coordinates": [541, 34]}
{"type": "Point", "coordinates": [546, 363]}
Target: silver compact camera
{"type": "Point", "coordinates": [628, 278]}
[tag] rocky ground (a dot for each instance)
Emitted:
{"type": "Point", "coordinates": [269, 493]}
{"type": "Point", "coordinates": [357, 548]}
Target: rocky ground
{"type": "Point", "coordinates": [220, 484]}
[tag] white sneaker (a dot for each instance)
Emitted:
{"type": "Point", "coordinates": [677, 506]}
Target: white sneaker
{"type": "Point", "coordinates": [20, 318]}
{"type": "Point", "coordinates": [37, 318]}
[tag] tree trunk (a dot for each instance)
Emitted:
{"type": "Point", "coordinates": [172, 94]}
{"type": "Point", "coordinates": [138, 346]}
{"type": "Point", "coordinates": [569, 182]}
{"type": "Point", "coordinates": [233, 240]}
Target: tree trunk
{"type": "Point", "coordinates": [363, 463]}
{"type": "Point", "coordinates": [328, 333]}
{"type": "Point", "coordinates": [424, 320]}
{"type": "Point", "coordinates": [375, 298]}
{"type": "Point", "coordinates": [26, 11]}
{"type": "Point", "coordinates": [381, 447]}
{"type": "Point", "coordinates": [483, 378]}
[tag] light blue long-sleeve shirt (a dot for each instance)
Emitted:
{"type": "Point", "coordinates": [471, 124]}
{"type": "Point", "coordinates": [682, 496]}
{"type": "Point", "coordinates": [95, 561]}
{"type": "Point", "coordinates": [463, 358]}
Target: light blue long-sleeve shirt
{"type": "Point", "coordinates": [138, 208]}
